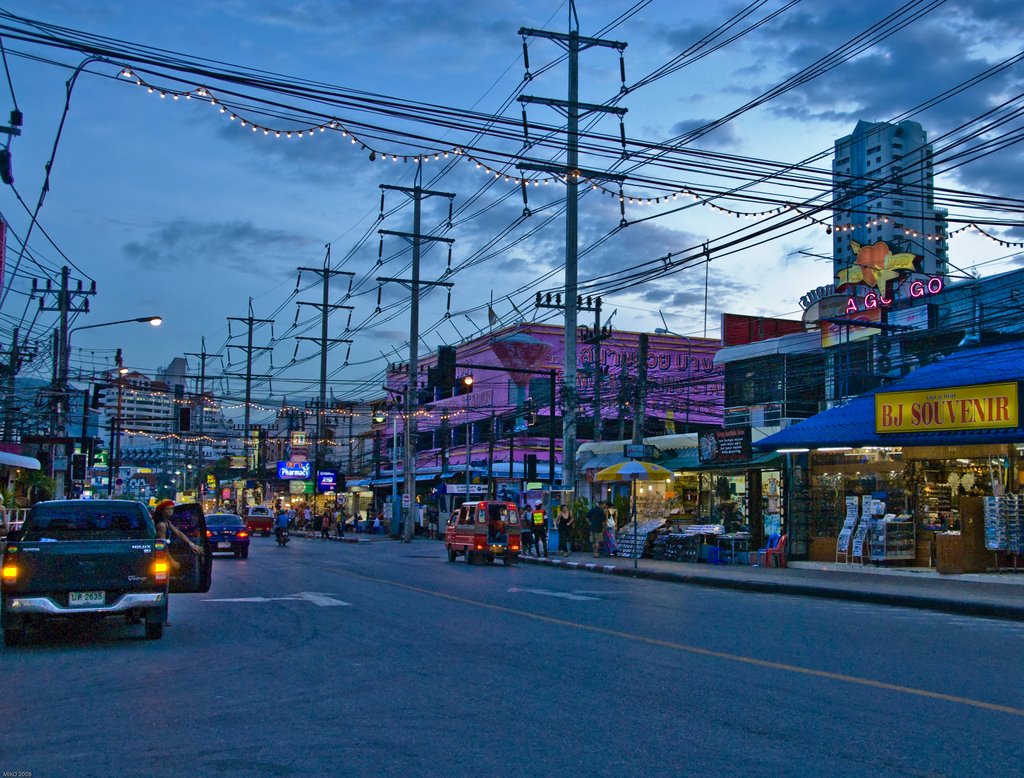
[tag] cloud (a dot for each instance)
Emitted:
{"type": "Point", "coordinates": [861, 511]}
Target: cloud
{"type": "Point", "coordinates": [237, 245]}
{"type": "Point", "coordinates": [723, 137]}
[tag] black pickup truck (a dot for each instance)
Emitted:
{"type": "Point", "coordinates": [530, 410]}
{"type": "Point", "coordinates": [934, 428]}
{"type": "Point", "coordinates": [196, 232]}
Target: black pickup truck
{"type": "Point", "coordinates": [87, 559]}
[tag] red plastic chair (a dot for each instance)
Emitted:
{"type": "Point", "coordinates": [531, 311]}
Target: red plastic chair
{"type": "Point", "coordinates": [776, 556]}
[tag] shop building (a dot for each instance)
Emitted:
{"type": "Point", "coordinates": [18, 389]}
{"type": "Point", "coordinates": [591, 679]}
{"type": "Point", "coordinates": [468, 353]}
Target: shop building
{"type": "Point", "coordinates": [921, 472]}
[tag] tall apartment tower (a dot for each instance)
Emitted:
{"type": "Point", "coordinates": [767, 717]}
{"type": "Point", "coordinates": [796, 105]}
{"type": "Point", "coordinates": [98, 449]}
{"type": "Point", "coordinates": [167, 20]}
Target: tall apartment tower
{"type": "Point", "coordinates": [883, 186]}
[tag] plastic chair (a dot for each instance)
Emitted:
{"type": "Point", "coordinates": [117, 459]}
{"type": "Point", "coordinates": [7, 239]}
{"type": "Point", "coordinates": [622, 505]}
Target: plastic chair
{"type": "Point", "coordinates": [776, 557]}
{"type": "Point", "coordinates": [773, 541]}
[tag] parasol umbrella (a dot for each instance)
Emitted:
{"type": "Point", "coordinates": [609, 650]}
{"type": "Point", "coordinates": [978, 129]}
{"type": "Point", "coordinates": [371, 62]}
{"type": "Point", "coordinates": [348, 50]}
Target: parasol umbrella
{"type": "Point", "coordinates": [634, 471]}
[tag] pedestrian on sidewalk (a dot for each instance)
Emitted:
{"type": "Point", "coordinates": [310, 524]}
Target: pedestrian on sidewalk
{"type": "Point", "coordinates": [596, 518]}
{"type": "Point", "coordinates": [339, 522]}
{"type": "Point", "coordinates": [610, 546]}
{"type": "Point", "coordinates": [564, 528]}
{"type": "Point", "coordinates": [325, 527]}
{"type": "Point", "coordinates": [540, 528]}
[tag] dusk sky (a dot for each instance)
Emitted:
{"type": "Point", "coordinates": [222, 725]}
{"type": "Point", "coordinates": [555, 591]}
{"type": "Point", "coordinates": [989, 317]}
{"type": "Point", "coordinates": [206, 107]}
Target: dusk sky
{"type": "Point", "coordinates": [174, 209]}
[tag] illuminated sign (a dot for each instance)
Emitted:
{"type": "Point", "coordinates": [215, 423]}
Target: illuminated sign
{"type": "Point", "coordinates": [974, 407]}
{"type": "Point", "coordinates": [326, 481]}
{"type": "Point", "coordinates": [915, 289]}
{"type": "Point", "coordinates": [294, 471]}
{"type": "Point", "coordinates": [836, 333]}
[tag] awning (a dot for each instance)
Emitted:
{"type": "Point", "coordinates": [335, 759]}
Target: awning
{"type": "Point", "coordinates": [17, 460]}
{"type": "Point", "coordinates": [688, 459]}
{"type": "Point", "coordinates": [601, 461]}
{"type": "Point", "coordinates": [853, 424]}
{"type": "Point", "coordinates": [756, 462]}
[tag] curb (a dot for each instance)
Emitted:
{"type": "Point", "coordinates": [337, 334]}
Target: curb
{"type": "Point", "coordinates": [922, 602]}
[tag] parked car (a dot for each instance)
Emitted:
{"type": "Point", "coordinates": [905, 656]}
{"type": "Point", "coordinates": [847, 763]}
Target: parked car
{"type": "Point", "coordinates": [87, 559]}
{"type": "Point", "coordinates": [259, 518]}
{"type": "Point", "coordinates": [227, 532]}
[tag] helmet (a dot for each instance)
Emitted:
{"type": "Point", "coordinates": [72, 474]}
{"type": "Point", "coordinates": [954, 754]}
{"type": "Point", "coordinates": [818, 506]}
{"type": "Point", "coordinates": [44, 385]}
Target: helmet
{"type": "Point", "coordinates": [163, 504]}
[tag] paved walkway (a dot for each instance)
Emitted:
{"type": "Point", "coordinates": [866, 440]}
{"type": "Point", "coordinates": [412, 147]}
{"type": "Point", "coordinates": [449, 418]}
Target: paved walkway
{"type": "Point", "coordinates": [998, 595]}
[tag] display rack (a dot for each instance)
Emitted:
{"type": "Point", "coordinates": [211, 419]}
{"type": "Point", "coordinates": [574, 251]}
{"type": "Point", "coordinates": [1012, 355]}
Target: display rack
{"type": "Point", "coordinates": [938, 503]}
{"type": "Point", "coordinates": [893, 540]}
{"type": "Point", "coordinates": [632, 544]}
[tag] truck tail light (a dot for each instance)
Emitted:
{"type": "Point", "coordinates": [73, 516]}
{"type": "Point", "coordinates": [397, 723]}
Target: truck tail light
{"type": "Point", "coordinates": [160, 568]}
{"type": "Point", "coordinates": [209, 534]}
{"type": "Point", "coordinates": [10, 572]}
{"type": "Point", "coordinates": [513, 544]}
{"type": "Point", "coordinates": [480, 543]}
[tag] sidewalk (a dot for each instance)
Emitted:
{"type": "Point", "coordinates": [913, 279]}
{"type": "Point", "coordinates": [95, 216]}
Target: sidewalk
{"type": "Point", "coordinates": [994, 595]}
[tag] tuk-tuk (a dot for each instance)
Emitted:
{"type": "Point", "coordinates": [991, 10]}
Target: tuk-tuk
{"type": "Point", "coordinates": [484, 530]}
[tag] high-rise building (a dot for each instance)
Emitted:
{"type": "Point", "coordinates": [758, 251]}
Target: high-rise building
{"type": "Point", "coordinates": [883, 187]}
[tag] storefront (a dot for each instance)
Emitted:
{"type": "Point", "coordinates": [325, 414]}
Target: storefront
{"type": "Point", "coordinates": [922, 473]}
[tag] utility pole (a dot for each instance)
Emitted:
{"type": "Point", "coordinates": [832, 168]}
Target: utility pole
{"type": "Point", "coordinates": [250, 322]}
{"type": "Point", "coordinates": [595, 337]}
{"type": "Point", "coordinates": [588, 304]}
{"type": "Point", "coordinates": [10, 372]}
{"type": "Point", "coordinates": [573, 109]}
{"type": "Point", "coordinates": [64, 304]}
{"type": "Point", "coordinates": [640, 397]}
{"type": "Point", "coordinates": [325, 307]}
{"type": "Point", "coordinates": [202, 356]}
{"type": "Point", "coordinates": [417, 193]}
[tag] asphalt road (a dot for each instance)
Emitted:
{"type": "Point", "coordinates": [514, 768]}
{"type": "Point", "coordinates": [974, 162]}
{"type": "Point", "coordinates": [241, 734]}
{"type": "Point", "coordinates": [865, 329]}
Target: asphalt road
{"type": "Point", "coordinates": [384, 659]}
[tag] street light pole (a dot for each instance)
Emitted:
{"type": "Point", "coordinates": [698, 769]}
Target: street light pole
{"type": "Point", "coordinates": [65, 352]}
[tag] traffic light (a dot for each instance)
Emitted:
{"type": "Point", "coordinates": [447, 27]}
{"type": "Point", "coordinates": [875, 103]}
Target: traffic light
{"type": "Point", "coordinates": [465, 384]}
{"type": "Point", "coordinates": [531, 467]}
{"type": "Point", "coordinates": [445, 367]}
{"type": "Point", "coordinates": [78, 467]}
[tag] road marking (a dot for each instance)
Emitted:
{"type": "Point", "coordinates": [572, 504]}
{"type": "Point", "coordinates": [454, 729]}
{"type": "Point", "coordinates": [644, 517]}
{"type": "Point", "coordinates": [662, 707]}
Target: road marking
{"type": "Point", "coordinates": [697, 650]}
{"type": "Point", "coordinates": [562, 595]}
{"type": "Point", "coordinates": [317, 598]}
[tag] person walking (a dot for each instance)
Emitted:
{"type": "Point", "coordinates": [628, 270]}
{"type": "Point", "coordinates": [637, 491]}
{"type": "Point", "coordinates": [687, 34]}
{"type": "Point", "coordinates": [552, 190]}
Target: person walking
{"type": "Point", "coordinates": [325, 527]}
{"type": "Point", "coordinates": [596, 519]}
{"type": "Point", "coordinates": [339, 522]}
{"type": "Point", "coordinates": [540, 529]}
{"type": "Point", "coordinates": [565, 521]}
{"type": "Point", "coordinates": [611, 525]}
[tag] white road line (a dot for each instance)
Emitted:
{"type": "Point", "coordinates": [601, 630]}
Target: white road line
{"type": "Point", "coordinates": [560, 595]}
{"type": "Point", "coordinates": [317, 598]}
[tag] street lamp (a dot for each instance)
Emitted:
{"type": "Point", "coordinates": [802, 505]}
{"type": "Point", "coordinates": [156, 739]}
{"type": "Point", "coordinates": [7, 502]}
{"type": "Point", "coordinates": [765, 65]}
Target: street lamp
{"type": "Point", "coordinates": [155, 321]}
{"type": "Point", "coordinates": [466, 386]}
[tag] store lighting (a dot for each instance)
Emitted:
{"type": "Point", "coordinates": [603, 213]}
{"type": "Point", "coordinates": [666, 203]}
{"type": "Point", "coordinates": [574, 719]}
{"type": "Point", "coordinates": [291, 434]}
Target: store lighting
{"type": "Point", "coordinates": [792, 450]}
{"type": "Point", "coordinates": [835, 448]}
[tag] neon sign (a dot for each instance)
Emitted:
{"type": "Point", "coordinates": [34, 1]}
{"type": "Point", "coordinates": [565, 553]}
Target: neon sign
{"type": "Point", "coordinates": [916, 289]}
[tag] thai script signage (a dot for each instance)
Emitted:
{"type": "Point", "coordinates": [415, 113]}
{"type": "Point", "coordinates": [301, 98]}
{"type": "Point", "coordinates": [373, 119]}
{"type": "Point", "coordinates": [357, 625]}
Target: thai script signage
{"type": "Point", "coordinates": [973, 407]}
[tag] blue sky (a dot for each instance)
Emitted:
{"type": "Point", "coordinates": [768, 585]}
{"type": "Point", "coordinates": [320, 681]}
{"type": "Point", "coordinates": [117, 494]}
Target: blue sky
{"type": "Point", "coordinates": [174, 209]}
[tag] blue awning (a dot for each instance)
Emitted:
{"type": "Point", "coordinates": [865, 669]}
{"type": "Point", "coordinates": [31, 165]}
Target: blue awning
{"type": "Point", "coordinates": [853, 424]}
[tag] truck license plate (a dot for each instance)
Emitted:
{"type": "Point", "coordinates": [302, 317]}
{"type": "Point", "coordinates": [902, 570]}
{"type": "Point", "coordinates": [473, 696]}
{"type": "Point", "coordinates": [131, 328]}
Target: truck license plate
{"type": "Point", "coordinates": [85, 599]}
{"type": "Point", "coordinates": [223, 544]}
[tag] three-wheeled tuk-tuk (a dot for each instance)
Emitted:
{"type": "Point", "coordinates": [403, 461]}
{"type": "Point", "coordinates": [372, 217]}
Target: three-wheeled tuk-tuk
{"type": "Point", "coordinates": [484, 530]}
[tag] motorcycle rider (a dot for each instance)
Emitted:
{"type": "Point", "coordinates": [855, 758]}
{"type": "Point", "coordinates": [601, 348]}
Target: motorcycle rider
{"type": "Point", "coordinates": [280, 525]}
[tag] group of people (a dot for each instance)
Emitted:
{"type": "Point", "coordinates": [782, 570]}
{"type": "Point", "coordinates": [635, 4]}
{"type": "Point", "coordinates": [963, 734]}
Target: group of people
{"type": "Point", "coordinates": [602, 521]}
{"type": "Point", "coordinates": [304, 518]}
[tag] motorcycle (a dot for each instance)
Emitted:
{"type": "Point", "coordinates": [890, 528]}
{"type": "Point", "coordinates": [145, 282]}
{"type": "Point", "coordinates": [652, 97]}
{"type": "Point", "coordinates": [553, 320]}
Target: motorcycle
{"type": "Point", "coordinates": [282, 536]}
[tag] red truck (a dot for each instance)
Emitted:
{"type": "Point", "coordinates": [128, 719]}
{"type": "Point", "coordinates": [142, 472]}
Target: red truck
{"type": "Point", "coordinates": [259, 518]}
{"type": "Point", "coordinates": [484, 530]}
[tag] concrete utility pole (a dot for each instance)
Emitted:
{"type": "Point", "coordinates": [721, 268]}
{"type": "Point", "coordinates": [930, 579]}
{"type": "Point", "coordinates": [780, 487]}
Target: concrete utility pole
{"type": "Point", "coordinates": [64, 305]}
{"type": "Point", "coordinates": [640, 397]}
{"type": "Point", "coordinates": [15, 356]}
{"type": "Point", "coordinates": [572, 108]}
{"type": "Point", "coordinates": [416, 237]}
{"type": "Point", "coordinates": [595, 337]}
{"type": "Point", "coordinates": [201, 391]}
{"type": "Point", "coordinates": [250, 323]}
{"type": "Point", "coordinates": [325, 307]}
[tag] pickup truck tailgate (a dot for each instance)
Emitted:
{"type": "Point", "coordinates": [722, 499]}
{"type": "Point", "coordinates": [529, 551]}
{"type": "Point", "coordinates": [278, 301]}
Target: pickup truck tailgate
{"type": "Point", "coordinates": [105, 565]}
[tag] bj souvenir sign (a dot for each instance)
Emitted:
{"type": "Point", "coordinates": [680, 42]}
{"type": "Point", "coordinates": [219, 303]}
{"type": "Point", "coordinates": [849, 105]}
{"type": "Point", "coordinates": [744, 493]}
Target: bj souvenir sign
{"type": "Point", "coordinates": [973, 407]}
